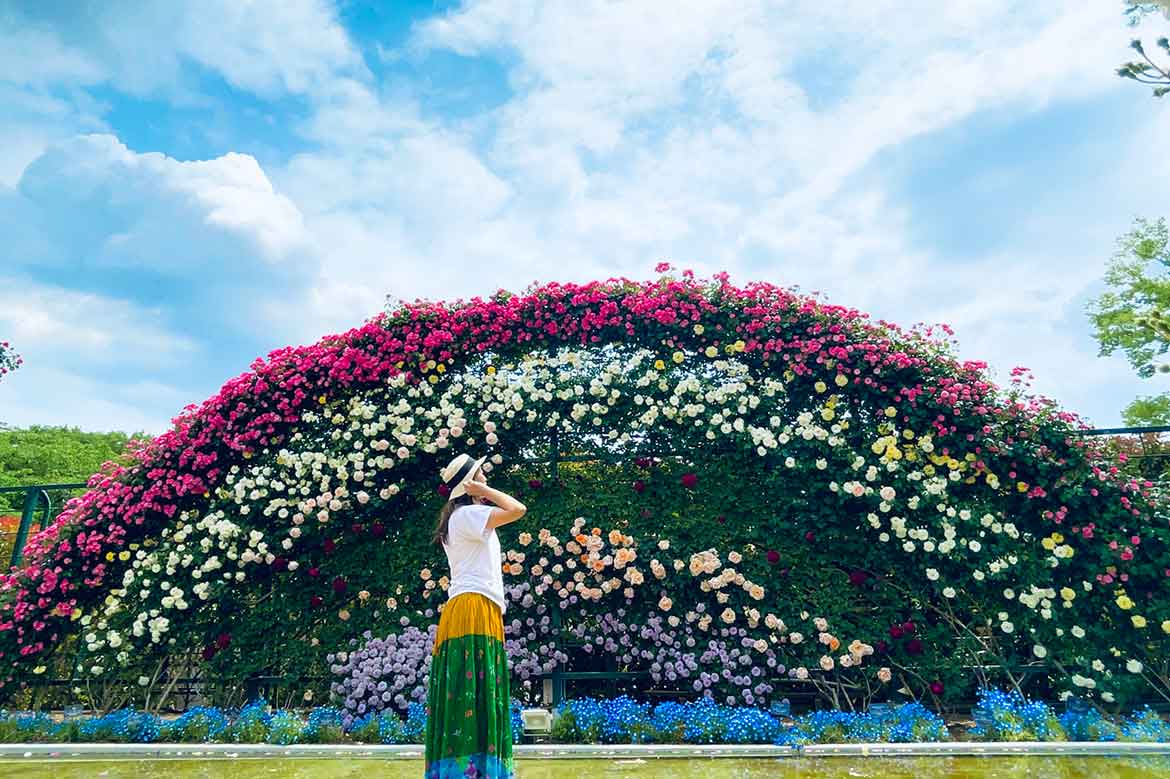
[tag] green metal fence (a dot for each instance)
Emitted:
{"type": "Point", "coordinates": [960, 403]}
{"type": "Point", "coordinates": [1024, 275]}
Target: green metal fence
{"type": "Point", "coordinates": [38, 498]}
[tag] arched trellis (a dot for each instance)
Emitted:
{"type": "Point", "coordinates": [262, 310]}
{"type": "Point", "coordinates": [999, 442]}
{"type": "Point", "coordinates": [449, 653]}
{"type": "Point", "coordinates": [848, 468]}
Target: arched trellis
{"type": "Point", "coordinates": [76, 562]}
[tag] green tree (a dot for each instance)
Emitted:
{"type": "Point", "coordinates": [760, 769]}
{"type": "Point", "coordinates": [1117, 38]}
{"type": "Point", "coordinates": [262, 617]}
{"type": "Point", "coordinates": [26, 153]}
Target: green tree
{"type": "Point", "coordinates": [1148, 411]}
{"type": "Point", "coordinates": [1148, 70]}
{"type": "Point", "coordinates": [47, 455]}
{"type": "Point", "coordinates": [1133, 315]}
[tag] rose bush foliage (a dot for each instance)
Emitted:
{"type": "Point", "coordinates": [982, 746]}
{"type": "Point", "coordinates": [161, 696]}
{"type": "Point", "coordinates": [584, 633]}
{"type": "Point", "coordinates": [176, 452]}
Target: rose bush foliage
{"type": "Point", "coordinates": [779, 492]}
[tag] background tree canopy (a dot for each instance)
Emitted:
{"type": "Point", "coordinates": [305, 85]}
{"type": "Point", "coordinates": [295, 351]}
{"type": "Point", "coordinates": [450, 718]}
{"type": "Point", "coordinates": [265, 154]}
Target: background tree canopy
{"type": "Point", "coordinates": [1133, 315]}
{"type": "Point", "coordinates": [53, 455]}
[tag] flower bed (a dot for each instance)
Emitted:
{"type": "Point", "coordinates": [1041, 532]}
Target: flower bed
{"type": "Point", "coordinates": [999, 717]}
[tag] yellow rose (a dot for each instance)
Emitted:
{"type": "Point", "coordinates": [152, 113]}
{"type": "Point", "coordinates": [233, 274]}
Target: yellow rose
{"type": "Point", "coordinates": [659, 365]}
{"type": "Point", "coordinates": [891, 411]}
{"type": "Point", "coordinates": [491, 369]}
{"type": "Point", "coordinates": [123, 555]}
{"type": "Point", "coordinates": [1048, 543]}
{"type": "Point", "coordinates": [677, 357]}
{"type": "Point", "coordinates": [711, 351]}
{"type": "Point", "coordinates": [441, 368]}
{"type": "Point", "coordinates": [820, 386]}
{"type": "Point", "coordinates": [1068, 593]}
{"type": "Point", "coordinates": [1138, 621]}
{"type": "Point", "coordinates": [110, 556]}
{"type": "Point", "coordinates": [739, 346]}
{"type": "Point", "coordinates": [698, 329]}
{"type": "Point", "coordinates": [1166, 626]}
{"type": "Point", "coordinates": [1123, 602]}
{"type": "Point", "coordinates": [841, 380]}
{"type": "Point", "coordinates": [321, 400]}
{"type": "Point", "coordinates": [1021, 486]}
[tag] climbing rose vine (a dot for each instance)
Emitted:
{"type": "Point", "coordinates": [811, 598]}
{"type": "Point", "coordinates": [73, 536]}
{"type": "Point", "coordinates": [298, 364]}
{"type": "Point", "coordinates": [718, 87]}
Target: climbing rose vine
{"type": "Point", "coordinates": [9, 359]}
{"type": "Point", "coordinates": [783, 493]}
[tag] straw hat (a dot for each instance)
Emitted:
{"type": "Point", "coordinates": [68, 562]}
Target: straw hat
{"type": "Point", "coordinates": [458, 472]}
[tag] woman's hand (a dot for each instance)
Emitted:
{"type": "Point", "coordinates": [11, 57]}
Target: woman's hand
{"type": "Point", "coordinates": [476, 489]}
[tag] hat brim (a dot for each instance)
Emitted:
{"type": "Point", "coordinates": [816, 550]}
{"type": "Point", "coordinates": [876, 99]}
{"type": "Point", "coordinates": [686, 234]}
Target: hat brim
{"type": "Point", "coordinates": [459, 490]}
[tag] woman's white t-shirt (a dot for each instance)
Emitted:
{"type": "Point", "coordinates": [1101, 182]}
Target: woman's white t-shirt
{"type": "Point", "coordinates": [473, 553]}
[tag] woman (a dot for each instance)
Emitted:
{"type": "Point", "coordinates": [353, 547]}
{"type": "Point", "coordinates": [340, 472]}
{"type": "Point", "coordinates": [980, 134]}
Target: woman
{"type": "Point", "coordinates": [469, 715]}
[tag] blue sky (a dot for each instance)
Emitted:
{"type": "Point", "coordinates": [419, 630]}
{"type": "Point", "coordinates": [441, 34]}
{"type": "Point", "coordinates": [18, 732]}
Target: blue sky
{"type": "Point", "coordinates": [187, 186]}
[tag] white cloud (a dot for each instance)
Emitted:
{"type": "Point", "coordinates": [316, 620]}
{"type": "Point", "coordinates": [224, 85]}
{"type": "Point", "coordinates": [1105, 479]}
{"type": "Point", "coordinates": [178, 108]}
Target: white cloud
{"type": "Point", "coordinates": [269, 47]}
{"type": "Point", "coordinates": [40, 394]}
{"type": "Point", "coordinates": [56, 326]}
{"type": "Point", "coordinates": [93, 202]}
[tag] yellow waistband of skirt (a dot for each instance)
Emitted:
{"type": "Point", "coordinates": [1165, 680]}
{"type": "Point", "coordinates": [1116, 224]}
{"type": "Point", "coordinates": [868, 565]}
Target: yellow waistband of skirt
{"type": "Point", "coordinates": [469, 614]}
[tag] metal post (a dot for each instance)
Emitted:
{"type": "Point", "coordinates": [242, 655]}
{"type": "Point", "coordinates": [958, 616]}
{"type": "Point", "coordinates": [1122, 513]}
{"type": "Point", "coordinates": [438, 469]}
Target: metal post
{"type": "Point", "coordinates": [558, 682]}
{"type": "Point", "coordinates": [31, 496]}
{"type": "Point", "coordinates": [554, 455]}
{"type": "Point", "coordinates": [46, 511]}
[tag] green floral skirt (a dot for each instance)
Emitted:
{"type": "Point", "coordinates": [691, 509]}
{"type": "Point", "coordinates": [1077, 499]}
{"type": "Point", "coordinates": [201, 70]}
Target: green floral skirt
{"type": "Point", "coordinates": [469, 716]}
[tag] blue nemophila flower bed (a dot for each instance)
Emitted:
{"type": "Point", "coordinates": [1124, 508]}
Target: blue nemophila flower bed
{"type": "Point", "coordinates": [624, 721]}
{"type": "Point", "coordinates": [909, 722]}
{"type": "Point", "coordinates": [999, 716]}
{"type": "Point", "coordinates": [1009, 716]}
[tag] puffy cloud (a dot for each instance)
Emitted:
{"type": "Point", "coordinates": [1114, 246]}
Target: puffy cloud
{"type": "Point", "coordinates": [92, 205]}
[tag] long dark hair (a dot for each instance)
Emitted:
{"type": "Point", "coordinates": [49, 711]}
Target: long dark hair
{"type": "Point", "coordinates": [440, 535]}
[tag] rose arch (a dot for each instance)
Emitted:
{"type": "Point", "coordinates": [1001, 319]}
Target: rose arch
{"type": "Point", "coordinates": [754, 490]}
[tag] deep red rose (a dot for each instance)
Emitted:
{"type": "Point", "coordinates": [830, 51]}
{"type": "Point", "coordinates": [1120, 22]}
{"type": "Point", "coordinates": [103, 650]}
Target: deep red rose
{"type": "Point", "coordinates": [639, 486]}
{"type": "Point", "coordinates": [444, 490]}
{"type": "Point", "coordinates": [280, 564]}
{"type": "Point", "coordinates": [223, 640]}
{"type": "Point", "coordinates": [937, 688]}
{"type": "Point", "coordinates": [339, 585]}
{"type": "Point", "coordinates": [314, 572]}
{"type": "Point", "coordinates": [377, 530]}
{"type": "Point", "coordinates": [357, 528]}
{"type": "Point", "coordinates": [908, 628]}
{"type": "Point", "coordinates": [329, 545]}
{"type": "Point", "coordinates": [810, 536]}
{"type": "Point", "coordinates": [895, 632]}
{"type": "Point", "coordinates": [535, 484]}
{"type": "Point", "coordinates": [720, 519]}
{"type": "Point", "coordinates": [785, 571]}
{"type": "Point", "coordinates": [914, 646]}
{"type": "Point", "coordinates": [642, 462]}
{"type": "Point", "coordinates": [208, 652]}
{"type": "Point", "coordinates": [858, 578]}
{"type": "Point", "coordinates": [315, 601]}
{"type": "Point", "coordinates": [881, 647]}
{"type": "Point", "coordinates": [689, 480]}
{"type": "Point", "coordinates": [773, 556]}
